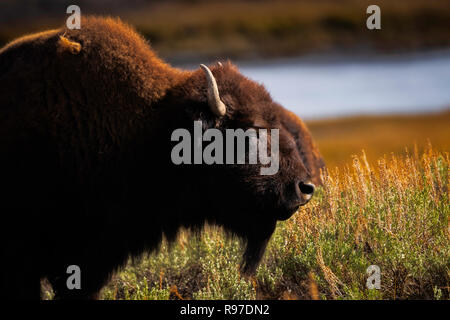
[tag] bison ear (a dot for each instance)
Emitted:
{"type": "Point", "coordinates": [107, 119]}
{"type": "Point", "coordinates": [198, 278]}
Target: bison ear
{"type": "Point", "coordinates": [65, 44]}
{"type": "Point", "coordinates": [215, 104]}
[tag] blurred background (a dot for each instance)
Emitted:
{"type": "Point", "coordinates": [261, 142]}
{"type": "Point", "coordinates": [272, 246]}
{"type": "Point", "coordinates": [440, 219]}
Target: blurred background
{"type": "Point", "coordinates": [378, 90]}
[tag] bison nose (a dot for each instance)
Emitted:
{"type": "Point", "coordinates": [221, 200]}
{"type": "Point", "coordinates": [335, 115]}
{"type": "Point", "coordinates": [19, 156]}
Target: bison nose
{"type": "Point", "coordinates": [303, 193]}
{"type": "Point", "coordinates": [305, 190]}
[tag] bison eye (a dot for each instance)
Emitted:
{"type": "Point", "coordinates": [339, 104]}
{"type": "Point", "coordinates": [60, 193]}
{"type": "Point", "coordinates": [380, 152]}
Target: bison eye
{"type": "Point", "coordinates": [253, 125]}
{"type": "Point", "coordinates": [259, 125]}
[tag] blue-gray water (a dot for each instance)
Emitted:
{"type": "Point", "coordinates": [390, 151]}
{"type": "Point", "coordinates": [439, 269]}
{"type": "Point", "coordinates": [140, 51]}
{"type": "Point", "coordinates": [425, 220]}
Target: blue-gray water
{"type": "Point", "coordinates": [320, 88]}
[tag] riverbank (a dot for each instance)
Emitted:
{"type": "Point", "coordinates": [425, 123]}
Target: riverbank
{"type": "Point", "coordinates": [339, 138]}
{"type": "Point", "coordinates": [183, 31]}
{"type": "Point", "coordinates": [320, 86]}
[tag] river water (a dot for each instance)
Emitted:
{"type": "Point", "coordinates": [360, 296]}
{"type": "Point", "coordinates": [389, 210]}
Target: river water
{"type": "Point", "coordinates": [317, 88]}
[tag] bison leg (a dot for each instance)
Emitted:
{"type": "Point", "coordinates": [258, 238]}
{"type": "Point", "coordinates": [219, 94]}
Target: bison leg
{"type": "Point", "coordinates": [92, 281]}
{"type": "Point", "coordinates": [256, 245]}
{"type": "Point", "coordinates": [20, 268]}
{"type": "Point", "coordinates": [19, 281]}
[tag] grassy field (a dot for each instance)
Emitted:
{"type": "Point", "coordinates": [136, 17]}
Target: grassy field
{"type": "Point", "coordinates": [392, 211]}
{"type": "Point", "coordinates": [186, 30]}
{"type": "Point", "coordinates": [338, 139]}
{"type": "Point", "coordinates": [265, 29]}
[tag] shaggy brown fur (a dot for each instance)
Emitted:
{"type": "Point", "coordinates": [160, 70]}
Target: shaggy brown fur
{"type": "Point", "coordinates": [86, 118]}
{"type": "Point", "coordinates": [305, 144]}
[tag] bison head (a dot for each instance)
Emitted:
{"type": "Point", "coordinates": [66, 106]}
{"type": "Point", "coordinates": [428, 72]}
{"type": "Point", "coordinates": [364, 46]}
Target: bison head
{"type": "Point", "coordinates": [238, 196]}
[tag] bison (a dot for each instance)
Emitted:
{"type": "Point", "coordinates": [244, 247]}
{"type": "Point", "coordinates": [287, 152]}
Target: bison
{"type": "Point", "coordinates": [86, 177]}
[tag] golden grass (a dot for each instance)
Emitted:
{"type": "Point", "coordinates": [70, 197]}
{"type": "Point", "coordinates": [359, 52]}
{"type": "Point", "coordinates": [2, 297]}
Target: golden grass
{"type": "Point", "coordinates": [393, 213]}
{"type": "Point", "coordinates": [338, 139]}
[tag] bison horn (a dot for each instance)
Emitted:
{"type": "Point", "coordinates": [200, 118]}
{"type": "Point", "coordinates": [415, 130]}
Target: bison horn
{"type": "Point", "coordinates": [215, 104]}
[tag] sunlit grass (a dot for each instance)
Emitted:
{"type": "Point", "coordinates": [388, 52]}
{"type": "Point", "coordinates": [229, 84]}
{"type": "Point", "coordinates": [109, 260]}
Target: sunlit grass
{"type": "Point", "coordinates": [393, 212]}
{"type": "Point", "coordinates": [339, 138]}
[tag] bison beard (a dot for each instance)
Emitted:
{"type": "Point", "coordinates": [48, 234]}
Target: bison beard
{"type": "Point", "coordinates": [85, 144]}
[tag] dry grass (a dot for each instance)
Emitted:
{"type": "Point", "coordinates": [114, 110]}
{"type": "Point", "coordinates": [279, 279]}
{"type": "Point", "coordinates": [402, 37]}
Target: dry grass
{"type": "Point", "coordinates": [338, 139]}
{"type": "Point", "coordinates": [393, 213]}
